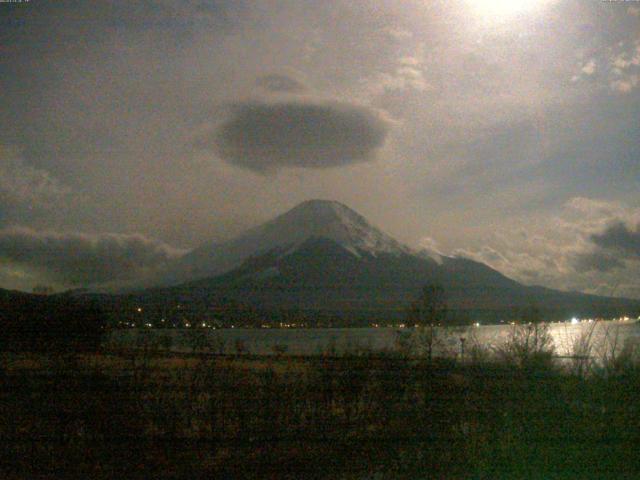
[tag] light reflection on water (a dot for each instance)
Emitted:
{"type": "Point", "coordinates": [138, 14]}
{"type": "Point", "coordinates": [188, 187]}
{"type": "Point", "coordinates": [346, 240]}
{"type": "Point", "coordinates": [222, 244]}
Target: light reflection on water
{"type": "Point", "coordinates": [567, 336]}
{"type": "Point", "coordinates": [314, 341]}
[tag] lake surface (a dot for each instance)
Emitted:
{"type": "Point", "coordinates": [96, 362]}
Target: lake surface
{"type": "Point", "coordinates": [339, 341]}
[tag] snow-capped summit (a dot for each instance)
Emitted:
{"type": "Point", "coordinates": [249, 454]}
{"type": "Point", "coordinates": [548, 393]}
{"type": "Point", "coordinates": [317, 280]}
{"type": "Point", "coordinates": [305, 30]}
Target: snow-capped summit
{"type": "Point", "coordinates": [310, 219]}
{"type": "Point", "coordinates": [331, 220]}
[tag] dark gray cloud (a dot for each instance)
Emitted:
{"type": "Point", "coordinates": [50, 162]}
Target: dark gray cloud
{"type": "Point", "coordinates": [619, 238]}
{"type": "Point", "coordinates": [596, 261]}
{"type": "Point", "coordinates": [74, 259]}
{"type": "Point", "coordinates": [611, 249]}
{"type": "Point", "coordinates": [281, 83]}
{"type": "Point", "coordinates": [264, 136]}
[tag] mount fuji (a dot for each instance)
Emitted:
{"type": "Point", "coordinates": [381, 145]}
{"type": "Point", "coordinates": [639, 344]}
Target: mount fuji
{"type": "Point", "coordinates": [287, 232]}
{"type": "Point", "coordinates": [325, 260]}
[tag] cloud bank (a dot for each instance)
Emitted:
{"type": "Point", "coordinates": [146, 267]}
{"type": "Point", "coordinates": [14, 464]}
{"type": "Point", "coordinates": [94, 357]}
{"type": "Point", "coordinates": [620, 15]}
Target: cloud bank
{"type": "Point", "coordinates": [621, 239]}
{"type": "Point", "coordinates": [75, 259]}
{"type": "Point", "coordinates": [590, 246]}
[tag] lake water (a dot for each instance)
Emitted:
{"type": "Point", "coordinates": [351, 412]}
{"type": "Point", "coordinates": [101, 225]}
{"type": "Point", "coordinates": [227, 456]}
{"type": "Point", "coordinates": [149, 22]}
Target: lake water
{"type": "Point", "coordinates": [315, 341]}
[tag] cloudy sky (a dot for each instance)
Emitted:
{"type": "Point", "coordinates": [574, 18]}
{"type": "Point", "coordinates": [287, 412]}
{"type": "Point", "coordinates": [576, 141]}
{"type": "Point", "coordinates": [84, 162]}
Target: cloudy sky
{"type": "Point", "coordinates": [507, 131]}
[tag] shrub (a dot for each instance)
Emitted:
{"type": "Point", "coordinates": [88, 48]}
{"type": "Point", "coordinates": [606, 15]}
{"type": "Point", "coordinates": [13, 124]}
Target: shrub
{"type": "Point", "coordinates": [528, 346]}
{"type": "Point", "coordinates": [241, 346]}
{"type": "Point", "coordinates": [280, 349]}
{"type": "Point", "coordinates": [582, 351]}
{"type": "Point", "coordinates": [617, 357]}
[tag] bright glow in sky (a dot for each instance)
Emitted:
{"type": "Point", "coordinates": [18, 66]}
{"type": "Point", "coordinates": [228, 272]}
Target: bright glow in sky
{"type": "Point", "coordinates": [502, 10]}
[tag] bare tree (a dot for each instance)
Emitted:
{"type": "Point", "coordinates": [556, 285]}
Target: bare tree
{"type": "Point", "coordinates": [428, 311]}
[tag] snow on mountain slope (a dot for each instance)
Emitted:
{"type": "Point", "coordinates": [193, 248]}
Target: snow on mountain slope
{"type": "Point", "coordinates": [310, 219]}
{"type": "Point", "coordinates": [331, 220]}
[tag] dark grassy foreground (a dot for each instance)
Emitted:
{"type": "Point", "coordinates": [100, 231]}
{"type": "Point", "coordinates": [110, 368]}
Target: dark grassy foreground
{"type": "Point", "coordinates": [105, 416]}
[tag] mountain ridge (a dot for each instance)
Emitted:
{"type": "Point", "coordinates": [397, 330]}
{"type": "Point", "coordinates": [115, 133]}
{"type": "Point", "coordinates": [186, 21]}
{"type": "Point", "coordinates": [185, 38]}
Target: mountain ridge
{"type": "Point", "coordinates": [326, 260]}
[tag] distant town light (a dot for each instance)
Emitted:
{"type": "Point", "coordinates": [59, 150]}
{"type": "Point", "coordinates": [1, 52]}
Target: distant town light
{"type": "Point", "coordinates": [574, 320]}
